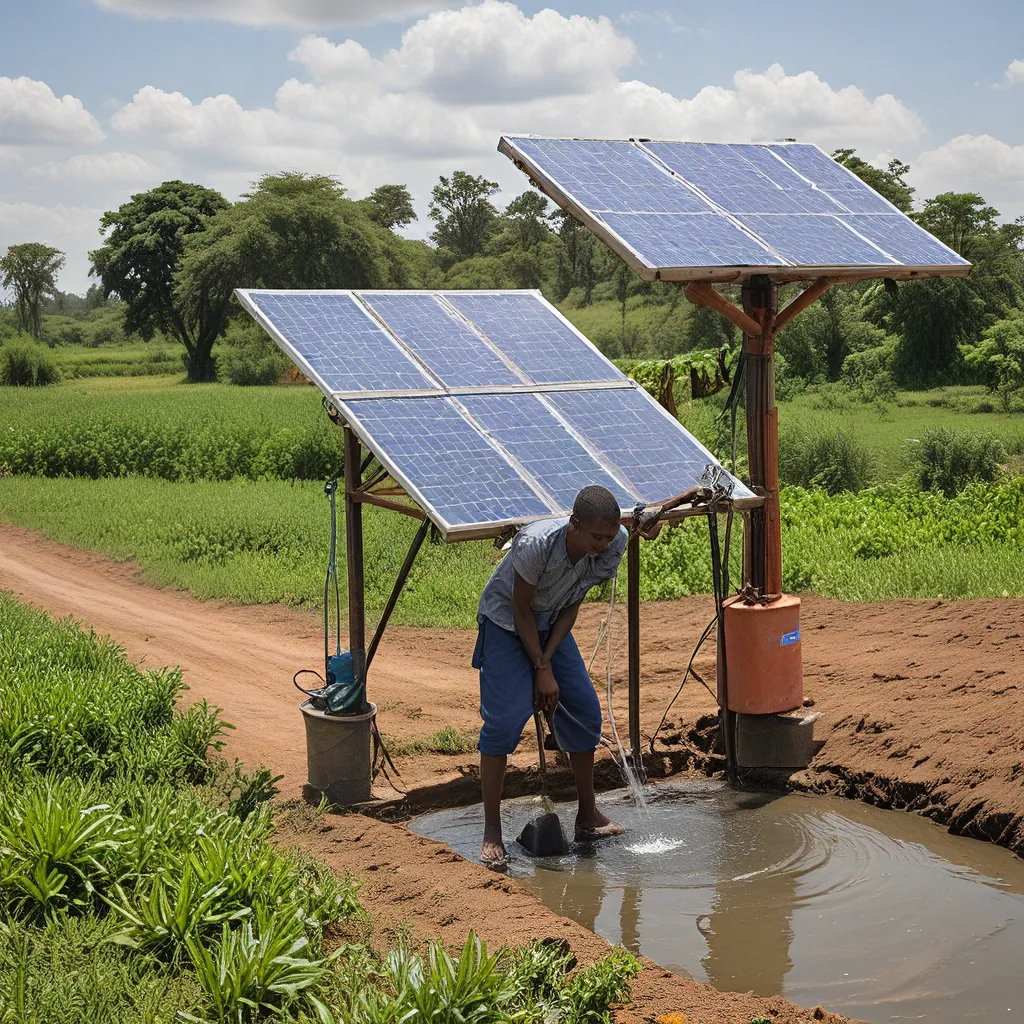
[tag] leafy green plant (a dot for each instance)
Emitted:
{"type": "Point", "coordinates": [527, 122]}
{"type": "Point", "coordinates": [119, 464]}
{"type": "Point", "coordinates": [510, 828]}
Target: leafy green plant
{"type": "Point", "coordinates": [948, 460]}
{"type": "Point", "coordinates": [54, 846]}
{"type": "Point", "coordinates": [260, 967]}
{"type": "Point", "coordinates": [174, 907]}
{"type": "Point", "coordinates": [26, 364]}
{"type": "Point", "coordinates": [591, 991]}
{"type": "Point", "coordinates": [829, 458]}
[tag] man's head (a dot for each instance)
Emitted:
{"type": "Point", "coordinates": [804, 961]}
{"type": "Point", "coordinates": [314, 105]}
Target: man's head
{"type": "Point", "coordinates": [594, 522]}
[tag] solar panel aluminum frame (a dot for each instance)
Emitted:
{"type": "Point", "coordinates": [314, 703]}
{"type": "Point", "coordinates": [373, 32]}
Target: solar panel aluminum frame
{"type": "Point", "coordinates": [713, 274]}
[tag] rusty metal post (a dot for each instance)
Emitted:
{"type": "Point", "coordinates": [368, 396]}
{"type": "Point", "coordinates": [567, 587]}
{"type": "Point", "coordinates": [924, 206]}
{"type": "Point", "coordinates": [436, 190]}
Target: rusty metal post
{"type": "Point", "coordinates": [633, 630]}
{"type": "Point", "coordinates": [354, 558]}
{"type": "Point", "coordinates": [761, 302]}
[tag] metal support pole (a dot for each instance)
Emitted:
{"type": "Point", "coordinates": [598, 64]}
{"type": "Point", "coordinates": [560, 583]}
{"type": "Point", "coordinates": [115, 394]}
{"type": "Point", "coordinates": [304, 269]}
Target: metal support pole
{"type": "Point", "coordinates": [633, 629]}
{"type": "Point", "coordinates": [354, 558]}
{"type": "Point", "coordinates": [396, 590]}
{"type": "Point", "coordinates": [760, 302]}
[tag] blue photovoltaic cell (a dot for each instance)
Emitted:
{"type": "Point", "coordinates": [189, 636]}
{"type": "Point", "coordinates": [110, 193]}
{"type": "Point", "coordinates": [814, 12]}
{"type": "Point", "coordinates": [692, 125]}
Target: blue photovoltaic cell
{"type": "Point", "coordinates": [462, 478]}
{"type": "Point", "coordinates": [534, 337]}
{"type": "Point", "coordinates": [449, 346]}
{"type": "Point", "coordinates": [657, 456]}
{"type": "Point", "coordinates": [793, 197]}
{"type": "Point", "coordinates": [901, 238]}
{"type": "Point", "coordinates": [531, 433]}
{"type": "Point", "coordinates": [611, 177]}
{"type": "Point", "coordinates": [809, 240]}
{"type": "Point", "coordinates": [339, 341]}
{"type": "Point", "coordinates": [814, 165]}
{"type": "Point", "coordinates": [690, 240]}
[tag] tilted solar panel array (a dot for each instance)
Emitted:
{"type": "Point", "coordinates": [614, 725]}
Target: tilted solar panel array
{"type": "Point", "coordinates": [685, 209]}
{"type": "Point", "coordinates": [489, 407]}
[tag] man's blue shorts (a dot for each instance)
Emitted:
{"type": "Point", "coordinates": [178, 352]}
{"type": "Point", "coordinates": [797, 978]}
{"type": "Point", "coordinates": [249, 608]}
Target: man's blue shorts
{"type": "Point", "coordinates": [506, 692]}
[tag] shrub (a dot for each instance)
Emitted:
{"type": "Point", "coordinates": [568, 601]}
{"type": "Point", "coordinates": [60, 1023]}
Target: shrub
{"type": "Point", "coordinates": [26, 364]}
{"type": "Point", "coordinates": [947, 460]}
{"type": "Point", "coordinates": [830, 458]}
{"type": "Point", "coordinates": [249, 358]}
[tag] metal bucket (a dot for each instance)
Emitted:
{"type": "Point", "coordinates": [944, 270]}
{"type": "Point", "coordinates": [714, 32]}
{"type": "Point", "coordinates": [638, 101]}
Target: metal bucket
{"type": "Point", "coordinates": [337, 755]}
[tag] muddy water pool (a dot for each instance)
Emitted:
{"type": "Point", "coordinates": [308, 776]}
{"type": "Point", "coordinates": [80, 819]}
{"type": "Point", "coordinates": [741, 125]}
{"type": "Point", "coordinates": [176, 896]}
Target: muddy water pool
{"type": "Point", "coordinates": [881, 915]}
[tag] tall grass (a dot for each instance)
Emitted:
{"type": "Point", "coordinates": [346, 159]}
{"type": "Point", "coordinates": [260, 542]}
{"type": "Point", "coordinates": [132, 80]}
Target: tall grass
{"type": "Point", "coordinates": [202, 432]}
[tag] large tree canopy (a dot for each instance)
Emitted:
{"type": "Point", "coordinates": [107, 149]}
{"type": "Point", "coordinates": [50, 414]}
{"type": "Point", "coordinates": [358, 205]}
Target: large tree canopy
{"type": "Point", "coordinates": [31, 270]}
{"type": "Point", "coordinates": [291, 231]}
{"type": "Point", "coordinates": [145, 240]}
{"type": "Point", "coordinates": [391, 206]}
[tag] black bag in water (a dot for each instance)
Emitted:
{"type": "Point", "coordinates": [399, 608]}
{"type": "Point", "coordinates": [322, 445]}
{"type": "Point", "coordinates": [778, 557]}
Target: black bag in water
{"type": "Point", "coordinates": [544, 837]}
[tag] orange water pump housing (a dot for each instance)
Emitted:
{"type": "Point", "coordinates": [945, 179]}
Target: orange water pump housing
{"type": "Point", "coordinates": [763, 656]}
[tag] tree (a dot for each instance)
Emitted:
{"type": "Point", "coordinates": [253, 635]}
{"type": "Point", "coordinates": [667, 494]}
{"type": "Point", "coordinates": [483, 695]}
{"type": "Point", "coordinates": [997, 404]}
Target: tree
{"type": "Point", "coordinates": [525, 216]}
{"type": "Point", "coordinates": [291, 231]}
{"type": "Point", "coordinates": [31, 270]}
{"type": "Point", "coordinates": [575, 260]}
{"type": "Point", "coordinates": [145, 242]}
{"type": "Point", "coordinates": [391, 206]}
{"type": "Point", "coordinates": [999, 357]}
{"type": "Point", "coordinates": [890, 183]}
{"type": "Point", "coordinates": [463, 213]}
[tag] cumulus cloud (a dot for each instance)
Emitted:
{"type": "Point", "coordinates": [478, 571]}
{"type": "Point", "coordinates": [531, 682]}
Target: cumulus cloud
{"type": "Point", "coordinates": [1013, 75]}
{"type": "Point", "coordinates": [110, 167]}
{"type": "Point", "coordinates": [489, 53]}
{"type": "Point", "coordinates": [974, 163]}
{"type": "Point", "coordinates": [30, 114]}
{"type": "Point", "coordinates": [290, 13]}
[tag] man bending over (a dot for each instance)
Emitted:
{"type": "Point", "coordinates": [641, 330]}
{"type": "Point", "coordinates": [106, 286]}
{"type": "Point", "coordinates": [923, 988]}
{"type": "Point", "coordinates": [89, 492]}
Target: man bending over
{"type": "Point", "coordinates": [528, 658]}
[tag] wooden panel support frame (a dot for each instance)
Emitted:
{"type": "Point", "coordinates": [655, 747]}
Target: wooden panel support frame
{"type": "Point", "coordinates": [700, 293]}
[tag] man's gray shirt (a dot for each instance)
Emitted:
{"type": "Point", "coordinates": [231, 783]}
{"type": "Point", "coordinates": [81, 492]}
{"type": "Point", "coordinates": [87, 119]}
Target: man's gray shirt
{"type": "Point", "coordinates": [538, 555]}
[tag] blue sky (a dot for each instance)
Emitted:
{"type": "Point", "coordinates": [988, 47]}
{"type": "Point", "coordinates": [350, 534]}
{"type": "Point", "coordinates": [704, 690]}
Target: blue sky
{"type": "Point", "coordinates": [103, 98]}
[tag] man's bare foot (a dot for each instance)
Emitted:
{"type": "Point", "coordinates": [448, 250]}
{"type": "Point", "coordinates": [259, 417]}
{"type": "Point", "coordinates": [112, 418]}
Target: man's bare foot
{"type": "Point", "coordinates": [492, 852]}
{"type": "Point", "coordinates": [599, 826]}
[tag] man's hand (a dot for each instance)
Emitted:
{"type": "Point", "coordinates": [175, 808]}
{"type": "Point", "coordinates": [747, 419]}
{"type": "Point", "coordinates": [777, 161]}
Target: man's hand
{"type": "Point", "coordinates": [545, 690]}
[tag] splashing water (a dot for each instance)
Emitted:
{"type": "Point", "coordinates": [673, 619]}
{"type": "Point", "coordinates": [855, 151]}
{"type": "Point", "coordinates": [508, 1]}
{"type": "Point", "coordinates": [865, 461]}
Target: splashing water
{"type": "Point", "coordinates": [658, 845]}
{"type": "Point", "coordinates": [629, 773]}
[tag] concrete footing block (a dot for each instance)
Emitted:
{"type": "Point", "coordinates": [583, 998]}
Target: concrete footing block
{"type": "Point", "coordinates": [776, 741]}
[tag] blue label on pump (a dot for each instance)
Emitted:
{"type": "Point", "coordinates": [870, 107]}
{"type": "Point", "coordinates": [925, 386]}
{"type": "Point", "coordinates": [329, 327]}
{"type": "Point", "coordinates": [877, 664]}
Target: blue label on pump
{"type": "Point", "coordinates": [790, 638]}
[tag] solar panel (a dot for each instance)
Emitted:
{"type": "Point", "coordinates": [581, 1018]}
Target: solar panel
{"type": "Point", "coordinates": [334, 341]}
{"type": "Point", "coordinates": [488, 408]}
{"type": "Point", "coordinates": [789, 210]}
{"type": "Point", "coordinates": [535, 336]}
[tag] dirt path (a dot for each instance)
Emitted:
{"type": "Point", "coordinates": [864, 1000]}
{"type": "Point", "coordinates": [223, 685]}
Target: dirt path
{"type": "Point", "coordinates": [921, 702]}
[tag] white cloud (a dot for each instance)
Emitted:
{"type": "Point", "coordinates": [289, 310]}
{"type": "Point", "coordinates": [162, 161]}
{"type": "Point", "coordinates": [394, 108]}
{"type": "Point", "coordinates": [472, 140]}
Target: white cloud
{"type": "Point", "coordinates": [290, 13]}
{"type": "Point", "coordinates": [101, 167]}
{"type": "Point", "coordinates": [30, 114]}
{"type": "Point", "coordinates": [974, 163]}
{"type": "Point", "coordinates": [1013, 75]}
{"type": "Point", "coordinates": [490, 53]}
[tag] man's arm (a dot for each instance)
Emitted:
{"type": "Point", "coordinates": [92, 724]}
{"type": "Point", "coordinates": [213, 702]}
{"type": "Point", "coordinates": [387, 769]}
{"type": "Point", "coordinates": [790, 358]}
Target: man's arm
{"type": "Point", "coordinates": [545, 689]}
{"type": "Point", "coordinates": [564, 622]}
